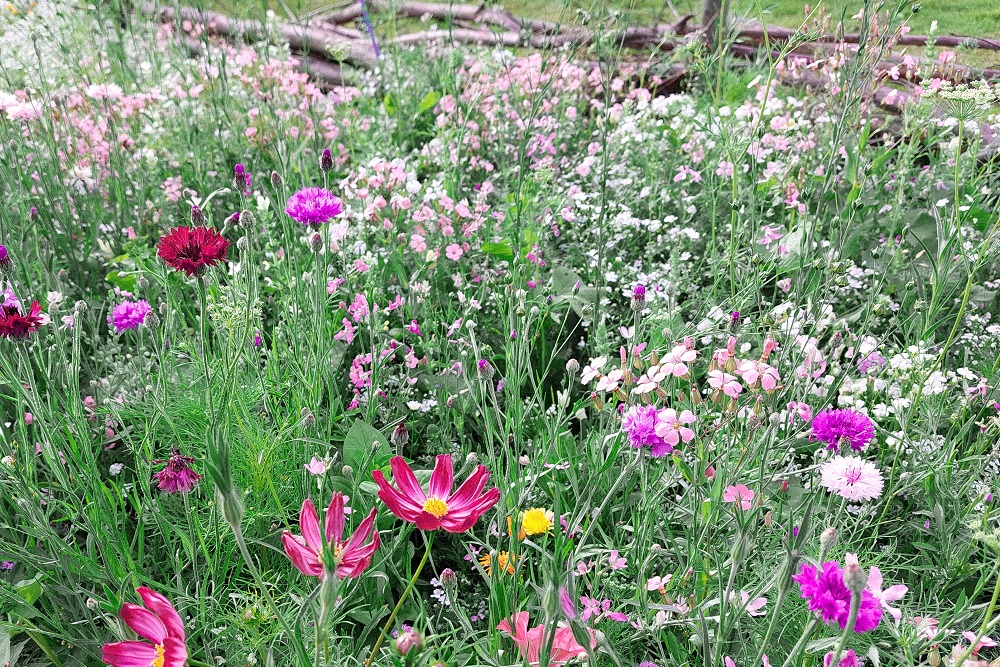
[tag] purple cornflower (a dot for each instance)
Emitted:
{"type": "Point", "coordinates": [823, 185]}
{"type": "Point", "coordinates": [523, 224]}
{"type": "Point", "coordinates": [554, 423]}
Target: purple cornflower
{"type": "Point", "coordinates": [4, 258]}
{"type": "Point", "coordinates": [129, 315]}
{"type": "Point", "coordinates": [177, 476]}
{"type": "Point", "coordinates": [843, 427]}
{"type": "Point", "coordinates": [313, 206]}
{"type": "Point", "coordinates": [639, 424]}
{"type": "Point", "coordinates": [829, 596]}
{"type": "Point", "coordinates": [638, 297]}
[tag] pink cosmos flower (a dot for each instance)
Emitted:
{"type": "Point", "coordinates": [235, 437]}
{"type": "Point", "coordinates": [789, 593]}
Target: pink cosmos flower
{"type": "Point", "coordinates": [531, 642]}
{"type": "Point", "coordinates": [891, 594]}
{"type": "Point", "coordinates": [725, 383]}
{"type": "Point", "coordinates": [739, 493]}
{"type": "Point", "coordinates": [672, 428]}
{"type": "Point", "coordinates": [440, 508]}
{"type": "Point", "coordinates": [351, 557]}
{"type": "Point", "coordinates": [162, 628]}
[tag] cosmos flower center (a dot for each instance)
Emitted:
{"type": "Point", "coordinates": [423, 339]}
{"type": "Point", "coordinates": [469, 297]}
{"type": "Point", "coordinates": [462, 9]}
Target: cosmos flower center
{"type": "Point", "coordinates": [435, 507]}
{"type": "Point", "coordinates": [158, 660]}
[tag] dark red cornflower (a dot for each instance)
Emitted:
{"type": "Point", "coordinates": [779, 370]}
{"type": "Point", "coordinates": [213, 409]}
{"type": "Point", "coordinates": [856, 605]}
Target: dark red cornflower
{"type": "Point", "coordinates": [18, 325]}
{"type": "Point", "coordinates": [177, 476]}
{"type": "Point", "coordinates": [188, 249]}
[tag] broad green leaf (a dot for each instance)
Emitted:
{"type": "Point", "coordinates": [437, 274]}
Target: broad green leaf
{"type": "Point", "coordinates": [361, 439]}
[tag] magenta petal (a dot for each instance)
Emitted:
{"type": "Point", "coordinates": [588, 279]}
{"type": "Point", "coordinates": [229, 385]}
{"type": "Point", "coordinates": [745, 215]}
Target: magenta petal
{"type": "Point", "coordinates": [161, 606]}
{"type": "Point", "coordinates": [335, 519]}
{"type": "Point", "coordinates": [427, 521]}
{"type": "Point", "coordinates": [469, 489]}
{"type": "Point", "coordinates": [442, 478]}
{"type": "Point", "coordinates": [304, 559]}
{"type": "Point", "coordinates": [397, 502]}
{"type": "Point", "coordinates": [174, 652]}
{"type": "Point", "coordinates": [406, 481]}
{"type": "Point", "coordinates": [129, 654]}
{"type": "Point", "coordinates": [309, 523]}
{"type": "Point", "coordinates": [145, 623]}
{"type": "Point", "coordinates": [362, 532]}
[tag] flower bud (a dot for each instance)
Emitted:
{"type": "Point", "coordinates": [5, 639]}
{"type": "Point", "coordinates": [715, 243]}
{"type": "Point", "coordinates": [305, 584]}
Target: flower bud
{"type": "Point", "coordinates": [326, 160]}
{"type": "Point", "coordinates": [572, 366]}
{"type": "Point", "coordinates": [400, 437]}
{"type": "Point", "coordinates": [197, 217]}
{"type": "Point", "coordinates": [33, 213]}
{"type": "Point", "coordinates": [448, 579]}
{"type": "Point", "coordinates": [854, 574]}
{"type": "Point", "coordinates": [347, 471]}
{"type": "Point", "coordinates": [276, 179]}
{"type": "Point", "coordinates": [316, 242]}
{"type": "Point", "coordinates": [638, 297]}
{"type": "Point", "coordinates": [485, 369]}
{"type": "Point", "coordinates": [827, 540]}
{"type": "Point", "coordinates": [409, 641]}
{"type": "Point", "coordinates": [143, 283]}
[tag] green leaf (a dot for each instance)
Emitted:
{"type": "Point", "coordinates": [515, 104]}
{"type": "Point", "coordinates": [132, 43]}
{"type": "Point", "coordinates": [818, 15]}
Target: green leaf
{"type": "Point", "coordinates": [430, 99]}
{"type": "Point", "coordinates": [501, 250]}
{"type": "Point", "coordinates": [121, 280]}
{"type": "Point", "coordinates": [30, 589]}
{"type": "Point", "coordinates": [389, 103]}
{"type": "Point", "coordinates": [358, 445]}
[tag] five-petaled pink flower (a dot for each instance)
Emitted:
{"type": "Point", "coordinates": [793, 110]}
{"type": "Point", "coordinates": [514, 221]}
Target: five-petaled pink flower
{"type": "Point", "coordinates": [531, 642]}
{"type": "Point", "coordinates": [739, 494]}
{"type": "Point", "coordinates": [159, 624]}
{"type": "Point", "coordinates": [351, 558]}
{"type": "Point", "coordinates": [439, 508]}
{"type": "Point", "coordinates": [891, 594]}
{"type": "Point", "coordinates": [725, 383]}
{"type": "Point", "coordinates": [673, 427]}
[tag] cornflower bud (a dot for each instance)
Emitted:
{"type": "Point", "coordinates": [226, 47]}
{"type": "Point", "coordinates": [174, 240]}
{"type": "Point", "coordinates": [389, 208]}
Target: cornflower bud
{"type": "Point", "coordinates": [485, 369]}
{"type": "Point", "coordinates": [276, 180]}
{"type": "Point", "coordinates": [326, 160]}
{"type": "Point", "coordinates": [572, 366]}
{"type": "Point", "coordinates": [197, 217]}
{"type": "Point", "coordinates": [409, 641]}
{"type": "Point", "coordinates": [827, 540]}
{"type": "Point", "coordinates": [5, 261]}
{"type": "Point", "coordinates": [400, 437]}
{"type": "Point", "coordinates": [33, 213]}
{"type": "Point", "coordinates": [854, 574]}
{"type": "Point", "coordinates": [449, 580]}
{"type": "Point", "coordinates": [638, 297]}
{"type": "Point", "coordinates": [316, 242]}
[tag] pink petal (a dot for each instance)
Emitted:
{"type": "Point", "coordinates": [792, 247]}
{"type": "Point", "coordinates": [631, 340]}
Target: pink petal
{"type": "Point", "coordinates": [470, 489]}
{"type": "Point", "coordinates": [397, 503]}
{"type": "Point", "coordinates": [174, 653]}
{"type": "Point", "coordinates": [145, 623]}
{"type": "Point", "coordinates": [303, 558]}
{"type": "Point", "coordinates": [875, 580]}
{"type": "Point", "coordinates": [335, 519]}
{"type": "Point", "coordinates": [129, 654]}
{"type": "Point", "coordinates": [406, 481]}
{"type": "Point", "coordinates": [161, 606]}
{"type": "Point", "coordinates": [442, 478]}
{"type": "Point", "coordinates": [894, 593]}
{"type": "Point", "coordinates": [427, 521]}
{"type": "Point", "coordinates": [362, 532]}
{"type": "Point", "coordinates": [309, 523]}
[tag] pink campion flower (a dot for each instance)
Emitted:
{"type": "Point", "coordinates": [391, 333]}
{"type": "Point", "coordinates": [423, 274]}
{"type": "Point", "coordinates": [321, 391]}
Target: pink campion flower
{"type": "Point", "coordinates": [927, 626]}
{"type": "Point", "coordinates": [598, 609]}
{"type": "Point", "coordinates": [829, 596]}
{"type": "Point", "coordinates": [977, 645]}
{"type": "Point", "coordinates": [658, 583]}
{"type": "Point", "coordinates": [739, 493]}
{"type": "Point", "coordinates": [650, 381]}
{"type": "Point", "coordinates": [672, 428]}
{"type": "Point", "coordinates": [351, 557]}
{"type": "Point", "coordinates": [754, 372]}
{"type": "Point", "coordinates": [891, 594]}
{"type": "Point", "coordinates": [610, 381]}
{"type": "Point", "coordinates": [159, 624]}
{"type": "Point", "coordinates": [592, 370]}
{"type": "Point", "coordinates": [413, 327]}
{"type": "Point", "coordinates": [315, 466]}
{"type": "Point", "coordinates": [677, 360]}
{"type": "Point", "coordinates": [725, 383]}
{"type": "Point", "coordinates": [770, 234]}
{"type": "Point", "coordinates": [359, 308]}
{"type": "Point", "coordinates": [531, 642]}
{"type": "Point", "coordinates": [753, 607]}
{"type": "Point", "coordinates": [438, 508]}
{"type": "Point", "coordinates": [616, 562]}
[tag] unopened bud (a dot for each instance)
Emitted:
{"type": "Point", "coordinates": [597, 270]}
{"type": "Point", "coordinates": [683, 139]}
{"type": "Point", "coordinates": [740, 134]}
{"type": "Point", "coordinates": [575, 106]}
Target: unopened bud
{"type": "Point", "coordinates": [276, 179]}
{"type": "Point", "coordinates": [854, 574]}
{"type": "Point", "coordinates": [572, 366]}
{"type": "Point", "coordinates": [828, 539]}
{"type": "Point", "coordinates": [400, 436]}
{"type": "Point", "coordinates": [5, 261]}
{"type": "Point", "coordinates": [152, 321]}
{"type": "Point", "coordinates": [243, 244]}
{"type": "Point", "coordinates": [316, 242]}
{"type": "Point", "coordinates": [143, 283]}
{"type": "Point", "coordinates": [448, 579]}
{"type": "Point", "coordinates": [348, 471]}
{"type": "Point", "coordinates": [638, 297]}
{"type": "Point", "coordinates": [326, 160]}
{"type": "Point", "coordinates": [471, 458]}
{"type": "Point", "coordinates": [409, 641]}
{"type": "Point", "coordinates": [485, 369]}
{"type": "Point", "coordinates": [197, 217]}
{"type": "Point", "coordinates": [33, 213]}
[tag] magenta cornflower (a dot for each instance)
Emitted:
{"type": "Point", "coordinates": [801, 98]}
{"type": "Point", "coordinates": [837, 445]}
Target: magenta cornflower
{"type": "Point", "coordinates": [843, 427]}
{"type": "Point", "coordinates": [852, 477]}
{"type": "Point", "coordinates": [639, 423]}
{"type": "Point", "coordinates": [177, 476]}
{"type": "Point", "coordinates": [129, 315]}
{"type": "Point", "coordinates": [848, 659]}
{"type": "Point", "coordinates": [829, 596]}
{"type": "Point", "coordinates": [313, 206]}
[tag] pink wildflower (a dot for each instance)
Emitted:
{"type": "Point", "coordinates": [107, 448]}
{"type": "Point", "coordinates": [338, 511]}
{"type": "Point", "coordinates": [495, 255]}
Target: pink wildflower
{"type": "Point", "coordinates": [852, 477]}
{"type": "Point", "coordinates": [739, 493]}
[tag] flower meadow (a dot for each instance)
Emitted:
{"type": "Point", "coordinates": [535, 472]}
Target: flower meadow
{"type": "Point", "coordinates": [491, 357]}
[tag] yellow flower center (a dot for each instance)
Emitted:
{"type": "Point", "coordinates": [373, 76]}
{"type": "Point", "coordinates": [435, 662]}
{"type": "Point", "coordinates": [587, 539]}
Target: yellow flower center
{"type": "Point", "coordinates": [435, 507]}
{"type": "Point", "coordinates": [158, 660]}
{"type": "Point", "coordinates": [536, 521]}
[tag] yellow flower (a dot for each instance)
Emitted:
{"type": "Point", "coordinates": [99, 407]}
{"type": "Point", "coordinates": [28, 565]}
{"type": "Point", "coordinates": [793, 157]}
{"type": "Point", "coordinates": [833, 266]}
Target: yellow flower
{"type": "Point", "coordinates": [504, 560]}
{"type": "Point", "coordinates": [536, 521]}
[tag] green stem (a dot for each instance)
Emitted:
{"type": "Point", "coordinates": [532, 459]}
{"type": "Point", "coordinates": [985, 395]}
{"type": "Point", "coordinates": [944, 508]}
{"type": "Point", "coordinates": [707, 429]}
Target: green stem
{"type": "Point", "coordinates": [985, 626]}
{"type": "Point", "coordinates": [848, 629]}
{"type": "Point", "coordinates": [399, 605]}
{"type": "Point", "coordinates": [799, 645]}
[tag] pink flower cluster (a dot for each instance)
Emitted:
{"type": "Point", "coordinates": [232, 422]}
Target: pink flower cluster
{"type": "Point", "coordinates": [659, 429]}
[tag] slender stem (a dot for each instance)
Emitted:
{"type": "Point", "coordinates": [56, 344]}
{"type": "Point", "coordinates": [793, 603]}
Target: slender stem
{"type": "Point", "coordinates": [799, 645]}
{"type": "Point", "coordinates": [202, 301]}
{"type": "Point", "coordinates": [848, 629]}
{"type": "Point", "coordinates": [985, 626]}
{"type": "Point", "coordinates": [399, 605]}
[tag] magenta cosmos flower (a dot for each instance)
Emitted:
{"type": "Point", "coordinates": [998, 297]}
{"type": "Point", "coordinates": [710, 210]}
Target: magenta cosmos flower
{"type": "Point", "coordinates": [843, 427]}
{"type": "Point", "coordinates": [313, 206]}
{"type": "Point", "coordinates": [439, 508]}
{"type": "Point", "coordinates": [159, 624]}
{"type": "Point", "coordinates": [129, 315]}
{"type": "Point", "coordinates": [351, 557]}
{"type": "Point", "coordinates": [831, 598]}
